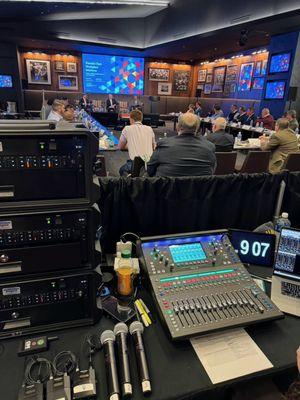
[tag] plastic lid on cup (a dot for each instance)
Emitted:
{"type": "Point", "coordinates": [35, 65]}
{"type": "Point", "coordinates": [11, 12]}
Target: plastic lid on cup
{"type": "Point", "coordinates": [126, 254]}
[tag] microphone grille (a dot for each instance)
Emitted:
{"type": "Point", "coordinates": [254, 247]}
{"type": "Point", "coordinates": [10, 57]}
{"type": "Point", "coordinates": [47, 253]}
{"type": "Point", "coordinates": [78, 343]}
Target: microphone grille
{"type": "Point", "coordinates": [107, 335]}
{"type": "Point", "coordinates": [136, 326]}
{"type": "Point", "coordinates": [121, 327]}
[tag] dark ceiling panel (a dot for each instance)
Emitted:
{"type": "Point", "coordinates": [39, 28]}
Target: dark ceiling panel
{"type": "Point", "coordinates": [220, 22]}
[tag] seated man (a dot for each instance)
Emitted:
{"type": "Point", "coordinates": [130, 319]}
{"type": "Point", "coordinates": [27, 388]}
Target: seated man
{"type": "Point", "coordinates": [139, 139]}
{"type": "Point", "coordinates": [251, 117]}
{"type": "Point", "coordinates": [57, 112]}
{"type": "Point", "coordinates": [221, 139]}
{"type": "Point", "coordinates": [69, 113]}
{"type": "Point", "coordinates": [281, 143]}
{"type": "Point", "coordinates": [266, 119]}
{"type": "Point", "coordinates": [242, 117]}
{"type": "Point", "coordinates": [217, 112]}
{"type": "Point", "coordinates": [185, 154]}
{"type": "Point", "coordinates": [198, 109]}
{"type": "Point", "coordinates": [234, 113]}
{"type": "Point", "coordinates": [292, 117]}
{"type": "Point", "coordinates": [111, 104]}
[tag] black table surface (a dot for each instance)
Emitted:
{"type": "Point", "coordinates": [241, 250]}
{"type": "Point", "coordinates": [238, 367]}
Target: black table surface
{"type": "Point", "coordinates": [176, 373]}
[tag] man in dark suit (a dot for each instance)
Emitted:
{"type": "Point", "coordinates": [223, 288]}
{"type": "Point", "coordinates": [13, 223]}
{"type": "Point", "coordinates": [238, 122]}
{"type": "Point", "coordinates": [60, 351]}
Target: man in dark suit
{"type": "Point", "coordinates": [221, 139]}
{"type": "Point", "coordinates": [252, 118]}
{"type": "Point", "coordinates": [111, 104]}
{"type": "Point", "coordinates": [234, 112]}
{"type": "Point", "coordinates": [185, 154]}
{"type": "Point", "coordinates": [242, 117]}
{"type": "Point", "coordinates": [85, 103]}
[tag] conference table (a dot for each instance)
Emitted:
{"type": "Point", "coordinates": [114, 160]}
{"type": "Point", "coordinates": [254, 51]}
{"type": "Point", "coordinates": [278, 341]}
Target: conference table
{"type": "Point", "coordinates": [247, 131]}
{"type": "Point", "coordinates": [176, 372]}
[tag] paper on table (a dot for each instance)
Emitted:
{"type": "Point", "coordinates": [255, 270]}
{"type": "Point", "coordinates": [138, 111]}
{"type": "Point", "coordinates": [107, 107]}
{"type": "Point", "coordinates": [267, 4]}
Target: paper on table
{"type": "Point", "coordinates": [229, 355]}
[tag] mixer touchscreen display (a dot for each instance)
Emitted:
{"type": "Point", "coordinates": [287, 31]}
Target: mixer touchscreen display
{"type": "Point", "coordinates": [187, 253]}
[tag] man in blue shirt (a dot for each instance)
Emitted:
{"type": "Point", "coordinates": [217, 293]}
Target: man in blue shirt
{"type": "Point", "coordinates": [185, 154]}
{"type": "Point", "coordinates": [217, 112]}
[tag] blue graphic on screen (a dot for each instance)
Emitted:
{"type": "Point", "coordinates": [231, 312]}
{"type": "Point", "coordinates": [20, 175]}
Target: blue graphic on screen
{"type": "Point", "coordinates": [275, 90]}
{"type": "Point", "coordinates": [5, 81]}
{"type": "Point", "coordinates": [113, 74]}
{"type": "Point", "coordinates": [187, 253]}
{"type": "Point", "coordinates": [280, 63]}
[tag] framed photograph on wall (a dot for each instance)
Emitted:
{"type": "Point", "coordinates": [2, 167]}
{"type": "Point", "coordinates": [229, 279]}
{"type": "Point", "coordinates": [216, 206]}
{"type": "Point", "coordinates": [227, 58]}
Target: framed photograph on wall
{"type": "Point", "coordinates": [219, 77]}
{"type": "Point", "coordinates": [59, 66]}
{"type": "Point", "coordinates": [209, 78]}
{"type": "Point", "coordinates": [245, 77]}
{"type": "Point", "coordinates": [229, 88]}
{"type": "Point", "coordinates": [258, 83]}
{"type": "Point", "coordinates": [67, 82]}
{"type": "Point", "coordinates": [202, 75]}
{"type": "Point", "coordinates": [257, 69]}
{"type": "Point", "coordinates": [38, 72]}
{"type": "Point", "coordinates": [164, 89]}
{"type": "Point", "coordinates": [200, 87]}
{"type": "Point", "coordinates": [264, 67]}
{"type": "Point", "coordinates": [71, 67]}
{"type": "Point", "coordinates": [181, 81]}
{"type": "Point", "coordinates": [232, 87]}
{"type": "Point", "coordinates": [232, 73]}
{"type": "Point", "coordinates": [207, 89]}
{"type": "Point", "coordinates": [159, 74]}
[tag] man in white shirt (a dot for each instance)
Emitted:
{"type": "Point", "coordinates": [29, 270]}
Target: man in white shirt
{"type": "Point", "coordinates": [139, 139]}
{"type": "Point", "coordinates": [58, 108]}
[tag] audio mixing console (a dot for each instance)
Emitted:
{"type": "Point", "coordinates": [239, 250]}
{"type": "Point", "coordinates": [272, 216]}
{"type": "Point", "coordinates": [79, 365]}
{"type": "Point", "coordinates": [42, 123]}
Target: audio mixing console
{"type": "Point", "coordinates": [200, 285]}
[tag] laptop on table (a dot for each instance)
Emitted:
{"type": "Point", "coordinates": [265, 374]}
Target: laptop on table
{"type": "Point", "coordinates": [286, 274]}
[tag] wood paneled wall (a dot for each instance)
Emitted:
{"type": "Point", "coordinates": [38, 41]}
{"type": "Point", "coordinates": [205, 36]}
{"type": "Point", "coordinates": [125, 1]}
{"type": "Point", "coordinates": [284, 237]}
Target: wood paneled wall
{"type": "Point", "coordinates": [151, 87]}
{"type": "Point", "coordinates": [28, 54]}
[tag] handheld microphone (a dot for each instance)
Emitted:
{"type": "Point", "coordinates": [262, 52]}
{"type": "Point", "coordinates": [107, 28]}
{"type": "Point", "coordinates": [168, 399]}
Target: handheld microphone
{"type": "Point", "coordinates": [121, 332]}
{"type": "Point", "coordinates": [136, 329]}
{"type": "Point", "coordinates": [108, 340]}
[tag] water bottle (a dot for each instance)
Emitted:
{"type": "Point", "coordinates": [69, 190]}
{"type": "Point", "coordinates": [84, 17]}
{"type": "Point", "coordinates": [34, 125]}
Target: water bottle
{"type": "Point", "coordinates": [239, 137]}
{"type": "Point", "coordinates": [283, 222]}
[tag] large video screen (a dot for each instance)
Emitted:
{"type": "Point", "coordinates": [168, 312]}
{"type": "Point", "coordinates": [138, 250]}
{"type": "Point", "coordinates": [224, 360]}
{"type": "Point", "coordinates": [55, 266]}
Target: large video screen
{"type": "Point", "coordinates": [6, 81]}
{"type": "Point", "coordinates": [112, 74]}
{"type": "Point", "coordinates": [280, 63]}
{"type": "Point", "coordinates": [275, 90]}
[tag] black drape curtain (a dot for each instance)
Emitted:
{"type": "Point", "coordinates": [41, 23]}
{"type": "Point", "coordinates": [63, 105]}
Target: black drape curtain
{"type": "Point", "coordinates": [291, 203]}
{"type": "Point", "coordinates": [158, 206]}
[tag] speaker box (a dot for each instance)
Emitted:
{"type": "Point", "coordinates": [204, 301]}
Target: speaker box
{"type": "Point", "coordinates": [292, 93]}
{"type": "Point", "coordinates": [24, 84]}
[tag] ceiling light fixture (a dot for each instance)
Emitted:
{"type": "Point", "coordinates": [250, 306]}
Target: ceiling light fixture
{"type": "Point", "coordinates": [157, 3]}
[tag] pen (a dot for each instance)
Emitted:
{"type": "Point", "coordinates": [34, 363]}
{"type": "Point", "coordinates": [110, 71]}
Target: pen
{"type": "Point", "coordinates": [147, 310]}
{"type": "Point", "coordinates": [144, 312]}
{"type": "Point", "coordinates": [142, 315]}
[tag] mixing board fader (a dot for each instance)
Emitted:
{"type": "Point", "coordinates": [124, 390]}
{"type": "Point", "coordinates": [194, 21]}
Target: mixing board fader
{"type": "Point", "coordinates": [200, 285]}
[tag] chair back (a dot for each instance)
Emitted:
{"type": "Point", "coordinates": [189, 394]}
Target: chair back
{"type": "Point", "coordinates": [256, 161]}
{"type": "Point", "coordinates": [292, 162]}
{"type": "Point", "coordinates": [225, 163]}
{"type": "Point", "coordinates": [100, 167]}
{"type": "Point", "coordinates": [137, 165]}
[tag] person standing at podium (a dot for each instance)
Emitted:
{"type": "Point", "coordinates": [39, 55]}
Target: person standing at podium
{"type": "Point", "coordinates": [111, 104]}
